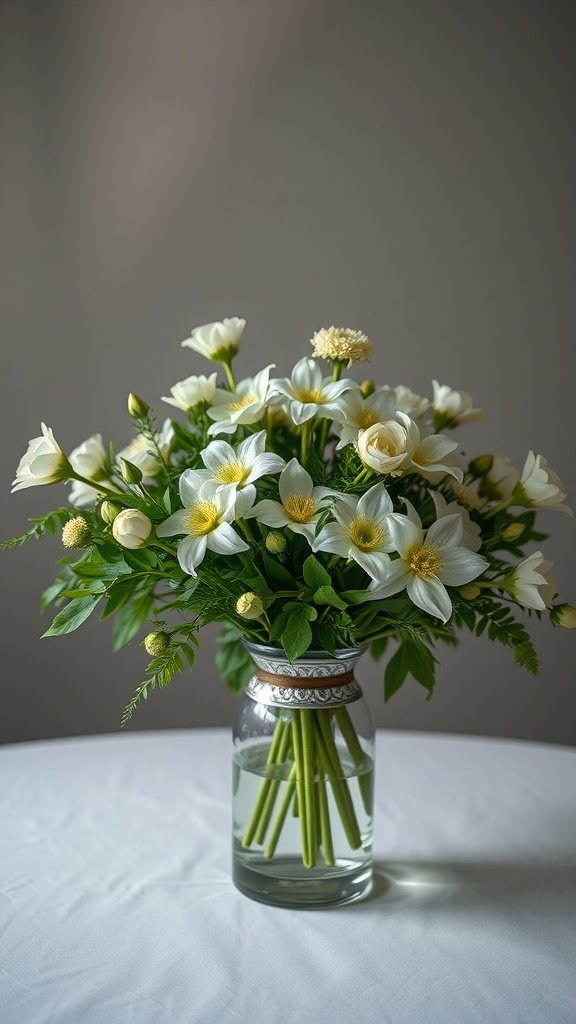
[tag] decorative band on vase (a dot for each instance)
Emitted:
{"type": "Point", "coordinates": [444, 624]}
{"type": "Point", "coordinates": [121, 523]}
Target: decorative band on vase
{"type": "Point", "coordinates": [317, 680]}
{"type": "Point", "coordinates": [302, 695]}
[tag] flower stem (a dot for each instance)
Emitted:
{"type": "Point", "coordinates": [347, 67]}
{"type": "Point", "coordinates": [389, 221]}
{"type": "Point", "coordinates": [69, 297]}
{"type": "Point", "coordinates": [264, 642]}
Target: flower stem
{"type": "Point", "coordinates": [230, 376]}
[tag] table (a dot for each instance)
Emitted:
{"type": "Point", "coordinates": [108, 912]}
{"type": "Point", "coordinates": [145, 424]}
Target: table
{"type": "Point", "coordinates": [116, 904]}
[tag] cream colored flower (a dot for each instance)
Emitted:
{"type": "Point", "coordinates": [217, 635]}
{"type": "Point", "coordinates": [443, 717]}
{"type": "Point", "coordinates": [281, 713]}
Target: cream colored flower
{"type": "Point", "coordinates": [44, 463]}
{"type": "Point", "coordinates": [143, 454]}
{"type": "Point", "coordinates": [531, 582]}
{"type": "Point", "coordinates": [300, 503]}
{"type": "Point", "coordinates": [205, 522]}
{"type": "Point", "coordinates": [342, 345]}
{"type": "Point", "coordinates": [131, 528]}
{"type": "Point", "coordinates": [90, 458]}
{"type": "Point", "coordinates": [453, 407]}
{"type": "Point", "coordinates": [428, 562]}
{"type": "Point", "coordinates": [499, 483]}
{"type": "Point", "coordinates": [361, 531]}
{"type": "Point", "coordinates": [192, 391]}
{"type": "Point", "coordinates": [217, 341]}
{"type": "Point", "coordinates": [240, 466]}
{"type": "Point", "coordinates": [396, 446]}
{"type": "Point", "coordinates": [540, 487]}
{"type": "Point", "coordinates": [309, 394]}
{"type": "Point", "coordinates": [356, 413]}
{"type": "Point", "coordinates": [246, 404]}
{"type": "Point", "coordinates": [409, 402]}
{"type": "Point", "coordinates": [471, 533]}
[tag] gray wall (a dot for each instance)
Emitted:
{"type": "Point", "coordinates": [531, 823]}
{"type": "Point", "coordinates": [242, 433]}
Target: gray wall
{"type": "Point", "coordinates": [404, 167]}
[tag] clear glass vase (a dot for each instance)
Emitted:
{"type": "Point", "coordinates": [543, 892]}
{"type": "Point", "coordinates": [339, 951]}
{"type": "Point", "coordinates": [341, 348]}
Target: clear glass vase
{"type": "Point", "coordinates": [303, 772]}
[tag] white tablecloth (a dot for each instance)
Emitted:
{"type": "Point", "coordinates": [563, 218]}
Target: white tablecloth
{"type": "Point", "coordinates": [116, 904]}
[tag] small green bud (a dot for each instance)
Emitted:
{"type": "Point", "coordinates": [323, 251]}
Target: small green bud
{"type": "Point", "coordinates": [250, 606]}
{"type": "Point", "coordinates": [564, 615]}
{"type": "Point", "coordinates": [275, 543]}
{"type": "Point", "coordinates": [131, 474]}
{"type": "Point", "coordinates": [156, 643]}
{"type": "Point", "coordinates": [137, 407]}
{"type": "Point", "coordinates": [481, 466]}
{"type": "Point", "coordinates": [367, 388]}
{"type": "Point", "coordinates": [76, 533]}
{"type": "Point", "coordinates": [513, 531]}
{"type": "Point", "coordinates": [109, 510]}
{"type": "Point", "coordinates": [470, 592]}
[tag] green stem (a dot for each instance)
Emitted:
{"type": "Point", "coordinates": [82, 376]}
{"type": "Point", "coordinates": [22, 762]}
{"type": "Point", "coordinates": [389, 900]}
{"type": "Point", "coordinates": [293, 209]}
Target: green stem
{"type": "Point", "coordinates": [304, 441]}
{"type": "Point", "coordinates": [357, 754]}
{"type": "Point", "coordinates": [499, 508]}
{"type": "Point", "coordinates": [282, 812]}
{"type": "Point", "coordinates": [332, 767]}
{"type": "Point", "coordinates": [300, 788]}
{"type": "Point", "coordinates": [260, 804]}
{"type": "Point", "coordinates": [229, 375]}
{"type": "Point", "coordinates": [309, 786]}
{"type": "Point", "coordinates": [325, 829]}
{"type": "Point", "coordinates": [121, 496]}
{"type": "Point", "coordinates": [281, 755]}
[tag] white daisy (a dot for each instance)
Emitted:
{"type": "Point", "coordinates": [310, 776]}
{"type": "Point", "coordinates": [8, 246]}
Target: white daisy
{"type": "Point", "coordinates": [246, 404]}
{"type": "Point", "coordinates": [308, 393]}
{"type": "Point", "coordinates": [239, 466]}
{"type": "Point", "coordinates": [205, 521]}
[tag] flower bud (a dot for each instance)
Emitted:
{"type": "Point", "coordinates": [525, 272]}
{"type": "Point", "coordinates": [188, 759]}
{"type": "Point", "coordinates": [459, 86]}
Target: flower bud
{"type": "Point", "coordinates": [131, 528]}
{"type": "Point", "coordinates": [156, 643]}
{"type": "Point", "coordinates": [470, 592]}
{"type": "Point", "coordinates": [109, 510]}
{"type": "Point", "coordinates": [481, 466]}
{"type": "Point", "coordinates": [513, 531]}
{"type": "Point", "coordinates": [76, 533]}
{"type": "Point", "coordinates": [249, 606]}
{"type": "Point", "coordinates": [137, 407]}
{"type": "Point", "coordinates": [275, 543]}
{"type": "Point", "coordinates": [564, 615]}
{"type": "Point", "coordinates": [367, 388]}
{"type": "Point", "coordinates": [131, 474]}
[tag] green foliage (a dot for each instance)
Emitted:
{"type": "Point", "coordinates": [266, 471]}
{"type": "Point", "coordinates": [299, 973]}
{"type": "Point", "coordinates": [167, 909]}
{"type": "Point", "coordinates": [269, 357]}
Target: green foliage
{"type": "Point", "coordinates": [162, 669]}
{"type": "Point", "coordinates": [72, 616]}
{"type": "Point", "coordinates": [42, 525]}
{"type": "Point", "coordinates": [232, 659]}
{"type": "Point", "coordinates": [413, 658]}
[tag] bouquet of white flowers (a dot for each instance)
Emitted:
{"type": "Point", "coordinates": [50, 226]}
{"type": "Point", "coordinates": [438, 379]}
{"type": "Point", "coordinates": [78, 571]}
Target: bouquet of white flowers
{"type": "Point", "coordinates": [302, 512]}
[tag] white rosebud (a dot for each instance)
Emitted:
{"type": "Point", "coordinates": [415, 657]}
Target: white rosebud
{"type": "Point", "coordinates": [250, 606]}
{"type": "Point", "coordinates": [384, 446]}
{"type": "Point", "coordinates": [43, 463]}
{"type": "Point", "coordinates": [131, 528]}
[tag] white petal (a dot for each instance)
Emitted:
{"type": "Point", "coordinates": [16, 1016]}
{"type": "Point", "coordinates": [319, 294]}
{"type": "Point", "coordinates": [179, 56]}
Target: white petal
{"type": "Point", "coordinates": [175, 524]}
{"type": "Point", "coordinates": [225, 541]}
{"type": "Point", "coordinates": [264, 465]}
{"type": "Point", "coordinates": [191, 551]}
{"type": "Point", "coordinates": [301, 412]}
{"type": "Point", "coordinates": [294, 480]}
{"type": "Point", "coordinates": [271, 513]}
{"type": "Point", "coordinates": [430, 595]}
{"type": "Point", "coordinates": [396, 580]}
{"type": "Point", "coordinates": [445, 532]}
{"type": "Point", "coordinates": [217, 453]}
{"type": "Point", "coordinates": [245, 498]}
{"type": "Point", "coordinates": [251, 448]}
{"type": "Point", "coordinates": [459, 566]}
{"type": "Point", "coordinates": [189, 485]}
{"type": "Point", "coordinates": [333, 538]}
{"type": "Point", "coordinates": [375, 503]}
{"type": "Point", "coordinates": [375, 563]}
{"type": "Point", "coordinates": [405, 533]}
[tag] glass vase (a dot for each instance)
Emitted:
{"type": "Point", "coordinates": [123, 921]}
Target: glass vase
{"type": "Point", "coordinates": [303, 772]}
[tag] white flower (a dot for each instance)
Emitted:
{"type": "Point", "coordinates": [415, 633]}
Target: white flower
{"type": "Point", "coordinates": [356, 413]}
{"type": "Point", "coordinates": [428, 563]}
{"type": "Point", "coordinates": [540, 487]}
{"type": "Point", "coordinates": [360, 531]}
{"type": "Point", "coordinates": [246, 404]}
{"type": "Point", "coordinates": [240, 466]}
{"type": "Point", "coordinates": [142, 453]}
{"type": "Point", "coordinates": [396, 446]}
{"type": "Point", "coordinates": [342, 345]}
{"type": "Point", "coordinates": [90, 458]}
{"type": "Point", "coordinates": [308, 393]}
{"type": "Point", "coordinates": [409, 402]}
{"type": "Point", "coordinates": [531, 582]}
{"type": "Point", "coordinates": [43, 463]}
{"type": "Point", "coordinates": [131, 528]}
{"type": "Point", "coordinates": [499, 483]}
{"type": "Point", "coordinates": [82, 494]}
{"type": "Point", "coordinates": [217, 341]}
{"type": "Point", "coordinates": [300, 503]}
{"type": "Point", "coordinates": [471, 532]}
{"type": "Point", "coordinates": [453, 407]}
{"type": "Point", "coordinates": [205, 520]}
{"type": "Point", "coordinates": [192, 391]}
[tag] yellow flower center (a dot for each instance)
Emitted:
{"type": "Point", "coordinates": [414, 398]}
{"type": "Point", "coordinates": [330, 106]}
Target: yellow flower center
{"type": "Point", "coordinates": [232, 473]}
{"type": "Point", "coordinates": [203, 517]}
{"type": "Point", "coordinates": [367, 419]}
{"type": "Point", "coordinates": [300, 508]}
{"type": "Point", "coordinates": [365, 533]}
{"type": "Point", "coordinates": [242, 403]}
{"type": "Point", "coordinates": [424, 560]}
{"type": "Point", "coordinates": [310, 395]}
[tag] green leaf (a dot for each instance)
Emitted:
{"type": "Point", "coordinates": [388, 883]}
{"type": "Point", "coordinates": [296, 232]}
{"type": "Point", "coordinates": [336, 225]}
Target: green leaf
{"type": "Point", "coordinates": [72, 616]}
{"type": "Point", "coordinates": [297, 635]}
{"type": "Point", "coordinates": [354, 596]}
{"type": "Point", "coordinates": [88, 570]}
{"type": "Point", "coordinates": [315, 575]}
{"type": "Point", "coordinates": [378, 647]}
{"type": "Point", "coordinates": [327, 595]}
{"type": "Point", "coordinates": [118, 594]}
{"type": "Point", "coordinates": [277, 573]}
{"type": "Point", "coordinates": [325, 637]}
{"type": "Point", "coordinates": [232, 659]}
{"type": "Point", "coordinates": [526, 656]}
{"type": "Point", "coordinates": [396, 672]}
{"type": "Point", "coordinates": [141, 560]}
{"type": "Point", "coordinates": [130, 619]}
